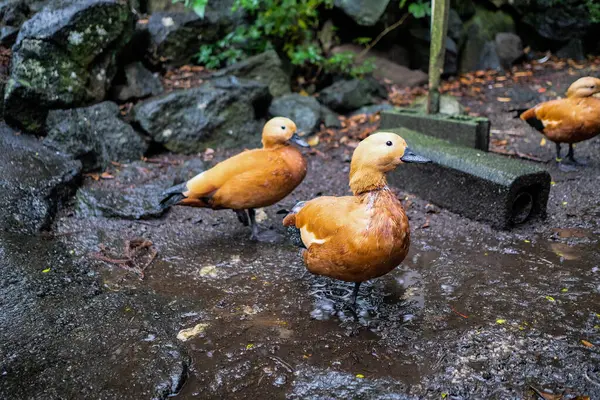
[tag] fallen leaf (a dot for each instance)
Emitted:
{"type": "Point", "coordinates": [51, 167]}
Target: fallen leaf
{"type": "Point", "coordinates": [504, 99]}
{"type": "Point", "coordinates": [210, 270]}
{"type": "Point", "coordinates": [500, 321]}
{"type": "Point", "coordinates": [586, 343]}
{"type": "Point", "coordinates": [313, 141]}
{"type": "Point", "coordinates": [550, 298]}
{"type": "Point", "coordinates": [360, 376]}
{"type": "Point", "coordinates": [249, 346]}
{"type": "Point", "coordinates": [46, 270]}
{"type": "Point", "coordinates": [543, 142]}
{"type": "Point", "coordinates": [188, 333]}
{"type": "Point", "coordinates": [106, 175]}
{"type": "Point", "coordinates": [261, 215]}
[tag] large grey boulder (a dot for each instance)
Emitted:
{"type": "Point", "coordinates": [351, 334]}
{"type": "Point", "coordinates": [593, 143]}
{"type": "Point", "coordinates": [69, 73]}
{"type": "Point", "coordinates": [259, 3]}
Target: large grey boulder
{"type": "Point", "coordinates": [349, 95]}
{"type": "Point", "coordinates": [139, 83]}
{"type": "Point", "coordinates": [95, 135]}
{"type": "Point", "coordinates": [266, 68]}
{"type": "Point", "coordinates": [305, 111]}
{"type": "Point", "coordinates": [385, 67]}
{"type": "Point", "coordinates": [509, 48]}
{"type": "Point", "coordinates": [363, 12]}
{"type": "Point", "coordinates": [136, 191]}
{"type": "Point", "coordinates": [221, 113]}
{"type": "Point", "coordinates": [478, 47]}
{"type": "Point", "coordinates": [176, 36]}
{"type": "Point", "coordinates": [35, 181]}
{"type": "Point", "coordinates": [64, 57]}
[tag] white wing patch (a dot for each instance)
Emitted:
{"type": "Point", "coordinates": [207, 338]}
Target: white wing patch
{"type": "Point", "coordinates": [309, 238]}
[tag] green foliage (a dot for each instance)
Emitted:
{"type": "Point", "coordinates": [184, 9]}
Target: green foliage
{"type": "Point", "coordinates": [418, 8]}
{"type": "Point", "coordinates": [594, 9]}
{"type": "Point", "coordinates": [288, 25]}
{"type": "Point", "coordinates": [199, 6]}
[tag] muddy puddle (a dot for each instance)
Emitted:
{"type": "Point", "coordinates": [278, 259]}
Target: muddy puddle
{"type": "Point", "coordinates": [463, 317]}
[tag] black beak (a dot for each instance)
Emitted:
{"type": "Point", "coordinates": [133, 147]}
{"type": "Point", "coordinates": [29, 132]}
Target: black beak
{"type": "Point", "coordinates": [410, 157]}
{"type": "Point", "coordinates": [299, 141]}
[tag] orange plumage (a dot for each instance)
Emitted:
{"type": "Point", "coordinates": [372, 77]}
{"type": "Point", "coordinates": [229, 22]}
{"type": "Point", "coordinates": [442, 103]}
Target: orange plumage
{"type": "Point", "coordinates": [570, 120]}
{"type": "Point", "coordinates": [249, 180]}
{"type": "Point", "coordinates": [359, 237]}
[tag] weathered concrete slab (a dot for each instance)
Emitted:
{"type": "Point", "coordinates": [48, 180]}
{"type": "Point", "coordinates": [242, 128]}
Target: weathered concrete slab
{"type": "Point", "coordinates": [462, 130]}
{"type": "Point", "coordinates": [483, 186]}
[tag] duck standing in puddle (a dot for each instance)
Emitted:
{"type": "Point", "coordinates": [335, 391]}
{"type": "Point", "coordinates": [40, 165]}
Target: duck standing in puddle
{"type": "Point", "coordinates": [364, 236]}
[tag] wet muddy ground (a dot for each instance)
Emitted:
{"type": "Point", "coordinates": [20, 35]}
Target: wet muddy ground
{"type": "Point", "coordinates": [472, 313]}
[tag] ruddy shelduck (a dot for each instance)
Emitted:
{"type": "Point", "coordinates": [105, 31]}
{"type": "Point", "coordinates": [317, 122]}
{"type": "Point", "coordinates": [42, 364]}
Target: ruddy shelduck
{"type": "Point", "coordinates": [252, 179]}
{"type": "Point", "coordinates": [570, 120]}
{"type": "Point", "coordinates": [364, 236]}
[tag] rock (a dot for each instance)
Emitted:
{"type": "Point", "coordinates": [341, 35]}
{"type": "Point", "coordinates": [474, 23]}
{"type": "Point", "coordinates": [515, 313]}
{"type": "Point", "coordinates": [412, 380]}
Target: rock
{"type": "Point", "coordinates": [305, 111]}
{"type": "Point", "coordinates": [153, 6]}
{"type": "Point", "coordinates": [69, 303]}
{"type": "Point", "coordinates": [94, 135]}
{"type": "Point", "coordinates": [8, 35]}
{"type": "Point", "coordinates": [397, 54]}
{"type": "Point", "coordinates": [478, 32]}
{"type": "Point", "coordinates": [135, 192]}
{"type": "Point", "coordinates": [489, 59]}
{"type": "Point", "coordinates": [420, 44]}
{"type": "Point", "coordinates": [449, 105]}
{"type": "Point", "coordinates": [221, 113]}
{"type": "Point", "coordinates": [14, 12]}
{"type": "Point", "coordinates": [35, 182]}
{"type": "Point", "coordinates": [455, 25]}
{"type": "Point", "coordinates": [140, 83]}
{"type": "Point", "coordinates": [64, 57]}
{"type": "Point", "coordinates": [376, 108]}
{"type": "Point", "coordinates": [363, 12]}
{"type": "Point", "coordinates": [348, 95]}
{"type": "Point", "coordinates": [330, 118]}
{"type": "Point", "coordinates": [464, 8]}
{"type": "Point", "coordinates": [557, 21]}
{"type": "Point", "coordinates": [266, 68]}
{"type": "Point", "coordinates": [509, 48]}
{"type": "Point", "coordinates": [386, 69]}
{"type": "Point", "coordinates": [175, 37]}
{"type": "Point", "coordinates": [573, 50]}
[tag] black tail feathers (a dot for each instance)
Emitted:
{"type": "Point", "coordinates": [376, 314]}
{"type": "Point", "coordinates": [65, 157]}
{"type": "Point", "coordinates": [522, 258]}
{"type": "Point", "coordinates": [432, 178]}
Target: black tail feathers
{"type": "Point", "coordinates": [173, 195]}
{"type": "Point", "coordinates": [519, 111]}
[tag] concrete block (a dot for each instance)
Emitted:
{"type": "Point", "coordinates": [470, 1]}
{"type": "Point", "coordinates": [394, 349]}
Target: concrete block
{"type": "Point", "coordinates": [487, 187]}
{"type": "Point", "coordinates": [473, 132]}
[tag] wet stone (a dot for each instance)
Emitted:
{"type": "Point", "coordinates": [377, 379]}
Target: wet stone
{"type": "Point", "coordinates": [35, 182]}
{"type": "Point", "coordinates": [136, 192]}
{"type": "Point", "coordinates": [68, 338]}
{"type": "Point", "coordinates": [349, 95]}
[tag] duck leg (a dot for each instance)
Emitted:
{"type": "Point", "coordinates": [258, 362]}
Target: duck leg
{"type": "Point", "coordinates": [569, 163]}
{"type": "Point", "coordinates": [262, 236]}
{"type": "Point", "coordinates": [242, 217]}
{"type": "Point", "coordinates": [557, 151]}
{"type": "Point", "coordinates": [355, 292]}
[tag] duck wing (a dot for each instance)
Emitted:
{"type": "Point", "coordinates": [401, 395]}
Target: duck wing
{"type": "Point", "coordinates": [322, 218]}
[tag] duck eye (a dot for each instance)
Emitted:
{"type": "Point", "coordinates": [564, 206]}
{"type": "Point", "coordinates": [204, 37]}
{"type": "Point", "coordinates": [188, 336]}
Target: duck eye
{"type": "Point", "coordinates": [283, 128]}
{"type": "Point", "coordinates": [389, 143]}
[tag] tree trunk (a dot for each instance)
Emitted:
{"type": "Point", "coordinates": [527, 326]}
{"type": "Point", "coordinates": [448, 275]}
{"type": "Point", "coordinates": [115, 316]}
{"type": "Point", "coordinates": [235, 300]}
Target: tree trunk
{"type": "Point", "coordinates": [439, 29]}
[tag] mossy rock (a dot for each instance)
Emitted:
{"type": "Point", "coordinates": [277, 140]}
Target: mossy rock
{"type": "Point", "coordinates": [65, 57]}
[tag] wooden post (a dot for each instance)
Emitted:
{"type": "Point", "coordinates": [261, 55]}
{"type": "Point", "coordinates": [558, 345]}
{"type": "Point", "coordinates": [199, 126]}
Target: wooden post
{"type": "Point", "coordinates": [439, 30]}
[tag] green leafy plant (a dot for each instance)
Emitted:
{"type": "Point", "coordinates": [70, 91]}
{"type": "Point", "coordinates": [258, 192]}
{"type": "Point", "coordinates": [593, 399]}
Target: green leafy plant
{"type": "Point", "coordinates": [199, 6]}
{"type": "Point", "coordinates": [288, 25]}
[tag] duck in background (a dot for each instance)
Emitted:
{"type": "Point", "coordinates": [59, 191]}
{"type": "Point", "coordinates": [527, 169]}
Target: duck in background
{"type": "Point", "coordinates": [252, 179]}
{"type": "Point", "coordinates": [364, 236]}
{"type": "Point", "coordinates": [570, 120]}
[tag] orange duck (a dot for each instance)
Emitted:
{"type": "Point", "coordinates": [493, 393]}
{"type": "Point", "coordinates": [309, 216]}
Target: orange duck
{"type": "Point", "coordinates": [573, 119]}
{"type": "Point", "coordinates": [249, 180]}
{"type": "Point", "coordinates": [364, 236]}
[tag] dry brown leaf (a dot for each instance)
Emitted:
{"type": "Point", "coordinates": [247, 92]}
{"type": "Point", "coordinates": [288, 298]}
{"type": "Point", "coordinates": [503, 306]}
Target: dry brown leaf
{"type": "Point", "coordinates": [504, 99]}
{"type": "Point", "coordinates": [586, 343]}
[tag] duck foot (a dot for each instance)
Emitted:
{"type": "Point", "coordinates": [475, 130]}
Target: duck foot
{"type": "Point", "coordinates": [266, 236]}
{"type": "Point", "coordinates": [569, 163]}
{"type": "Point", "coordinates": [352, 306]}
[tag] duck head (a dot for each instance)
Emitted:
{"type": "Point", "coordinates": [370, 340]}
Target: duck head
{"type": "Point", "coordinates": [374, 156]}
{"type": "Point", "coordinates": [279, 131]}
{"type": "Point", "coordinates": [584, 87]}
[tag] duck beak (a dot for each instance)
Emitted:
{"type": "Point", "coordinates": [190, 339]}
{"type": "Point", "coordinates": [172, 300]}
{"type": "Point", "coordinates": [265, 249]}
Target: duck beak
{"type": "Point", "coordinates": [410, 157]}
{"type": "Point", "coordinates": [299, 141]}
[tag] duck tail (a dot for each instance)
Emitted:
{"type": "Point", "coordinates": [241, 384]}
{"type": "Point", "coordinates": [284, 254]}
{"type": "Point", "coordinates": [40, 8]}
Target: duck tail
{"type": "Point", "coordinates": [519, 111]}
{"type": "Point", "coordinates": [292, 232]}
{"type": "Point", "coordinates": [173, 195]}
